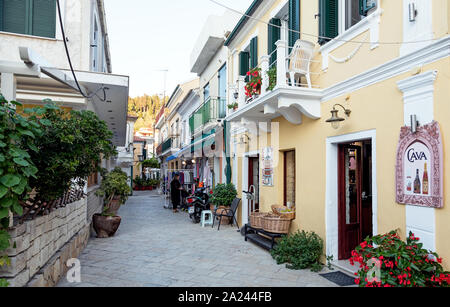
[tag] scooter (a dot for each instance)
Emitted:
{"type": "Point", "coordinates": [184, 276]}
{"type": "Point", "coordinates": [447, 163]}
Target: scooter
{"type": "Point", "coordinates": [197, 204]}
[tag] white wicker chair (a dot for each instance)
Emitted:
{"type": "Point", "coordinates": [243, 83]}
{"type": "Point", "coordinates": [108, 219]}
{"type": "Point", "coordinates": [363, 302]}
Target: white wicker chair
{"type": "Point", "coordinates": [300, 61]}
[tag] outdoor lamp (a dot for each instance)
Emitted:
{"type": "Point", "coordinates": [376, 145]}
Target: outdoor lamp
{"type": "Point", "coordinates": [193, 161]}
{"type": "Point", "coordinates": [335, 120]}
{"type": "Point", "coordinates": [414, 123]}
{"type": "Point", "coordinates": [141, 158]}
{"type": "Point", "coordinates": [236, 95]}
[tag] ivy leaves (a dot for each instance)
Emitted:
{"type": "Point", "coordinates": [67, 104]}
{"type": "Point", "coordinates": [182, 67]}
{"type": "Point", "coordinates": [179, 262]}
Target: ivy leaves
{"type": "Point", "coordinates": [17, 138]}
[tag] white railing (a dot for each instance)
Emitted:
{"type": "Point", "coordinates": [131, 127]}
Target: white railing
{"type": "Point", "coordinates": [282, 63]}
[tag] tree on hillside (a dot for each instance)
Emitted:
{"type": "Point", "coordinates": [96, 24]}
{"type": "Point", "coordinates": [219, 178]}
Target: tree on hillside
{"type": "Point", "coordinates": [146, 108]}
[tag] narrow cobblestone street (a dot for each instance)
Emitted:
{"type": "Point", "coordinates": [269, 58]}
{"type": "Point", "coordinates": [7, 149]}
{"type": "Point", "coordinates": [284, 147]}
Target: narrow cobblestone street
{"type": "Point", "coordinates": [154, 247]}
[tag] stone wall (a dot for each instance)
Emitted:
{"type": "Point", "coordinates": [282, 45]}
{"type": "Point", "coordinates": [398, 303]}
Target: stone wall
{"type": "Point", "coordinates": [44, 241]}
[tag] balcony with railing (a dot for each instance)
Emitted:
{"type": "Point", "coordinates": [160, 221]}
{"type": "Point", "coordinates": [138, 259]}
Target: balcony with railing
{"type": "Point", "coordinates": [283, 88]}
{"type": "Point", "coordinates": [213, 110]}
{"type": "Point", "coordinates": [169, 146]}
{"type": "Point", "coordinates": [161, 113]}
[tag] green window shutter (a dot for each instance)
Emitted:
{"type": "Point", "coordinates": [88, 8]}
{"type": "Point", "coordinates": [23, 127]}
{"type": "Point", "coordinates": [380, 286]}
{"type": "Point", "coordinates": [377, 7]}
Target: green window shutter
{"type": "Point", "coordinates": [244, 58]}
{"type": "Point", "coordinates": [274, 35]}
{"type": "Point", "coordinates": [294, 21]}
{"type": "Point", "coordinates": [44, 18]}
{"type": "Point", "coordinates": [365, 6]}
{"type": "Point", "coordinates": [1, 15]}
{"type": "Point", "coordinates": [254, 52]}
{"type": "Point", "coordinates": [15, 16]}
{"type": "Point", "coordinates": [328, 20]}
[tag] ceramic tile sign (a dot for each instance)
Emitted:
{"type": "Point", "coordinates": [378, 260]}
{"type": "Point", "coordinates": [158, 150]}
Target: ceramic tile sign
{"type": "Point", "coordinates": [419, 170]}
{"type": "Point", "coordinates": [267, 166]}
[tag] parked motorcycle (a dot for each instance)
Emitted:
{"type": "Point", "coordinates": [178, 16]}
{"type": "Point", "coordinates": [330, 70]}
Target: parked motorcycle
{"type": "Point", "coordinates": [197, 204]}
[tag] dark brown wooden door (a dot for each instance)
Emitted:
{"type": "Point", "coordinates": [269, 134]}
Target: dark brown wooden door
{"type": "Point", "coordinates": [253, 180]}
{"type": "Point", "coordinates": [350, 199]}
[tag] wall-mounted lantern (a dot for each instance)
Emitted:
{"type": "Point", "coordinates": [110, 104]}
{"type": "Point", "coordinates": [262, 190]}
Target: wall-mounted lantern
{"type": "Point", "coordinates": [335, 120]}
{"type": "Point", "coordinates": [414, 123]}
{"type": "Point", "coordinates": [243, 141]}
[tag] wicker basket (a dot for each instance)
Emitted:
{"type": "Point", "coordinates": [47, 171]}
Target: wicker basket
{"type": "Point", "coordinates": [276, 224]}
{"type": "Point", "coordinates": [287, 215]}
{"type": "Point", "coordinates": [256, 219]}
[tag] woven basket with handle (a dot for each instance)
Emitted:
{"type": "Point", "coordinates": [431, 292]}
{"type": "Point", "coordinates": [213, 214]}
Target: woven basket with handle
{"type": "Point", "coordinates": [278, 210]}
{"type": "Point", "coordinates": [276, 224]}
{"type": "Point", "coordinates": [256, 219]}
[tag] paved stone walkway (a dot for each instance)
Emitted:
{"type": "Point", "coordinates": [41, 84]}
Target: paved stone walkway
{"type": "Point", "coordinates": [154, 247]}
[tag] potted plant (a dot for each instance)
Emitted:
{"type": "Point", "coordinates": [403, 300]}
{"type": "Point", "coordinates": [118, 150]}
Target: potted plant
{"type": "Point", "coordinates": [138, 183]}
{"type": "Point", "coordinates": [233, 106]}
{"type": "Point", "coordinates": [222, 197]}
{"type": "Point", "coordinates": [253, 86]}
{"type": "Point", "coordinates": [150, 184]}
{"type": "Point", "coordinates": [272, 74]}
{"type": "Point", "coordinates": [155, 183]}
{"type": "Point", "coordinates": [115, 189]}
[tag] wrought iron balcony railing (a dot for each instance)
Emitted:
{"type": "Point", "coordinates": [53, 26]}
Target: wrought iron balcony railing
{"type": "Point", "coordinates": [213, 109]}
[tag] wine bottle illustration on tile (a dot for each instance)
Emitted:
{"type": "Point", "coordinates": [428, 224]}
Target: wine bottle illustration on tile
{"type": "Point", "coordinates": [425, 181]}
{"type": "Point", "coordinates": [417, 184]}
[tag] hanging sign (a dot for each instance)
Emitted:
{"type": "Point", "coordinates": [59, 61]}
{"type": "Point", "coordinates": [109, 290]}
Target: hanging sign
{"type": "Point", "coordinates": [267, 166]}
{"type": "Point", "coordinates": [419, 177]}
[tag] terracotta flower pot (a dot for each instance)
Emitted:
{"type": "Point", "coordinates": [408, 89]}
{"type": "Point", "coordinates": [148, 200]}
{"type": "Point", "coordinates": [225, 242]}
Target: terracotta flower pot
{"type": "Point", "coordinates": [225, 220]}
{"type": "Point", "coordinates": [106, 226]}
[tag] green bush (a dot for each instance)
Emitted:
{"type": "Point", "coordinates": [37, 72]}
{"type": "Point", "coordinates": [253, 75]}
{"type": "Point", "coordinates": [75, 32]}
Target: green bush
{"type": "Point", "coordinates": [300, 251]}
{"type": "Point", "coordinates": [399, 263]}
{"type": "Point", "coordinates": [114, 184]}
{"type": "Point", "coordinates": [223, 195]}
{"type": "Point", "coordinates": [71, 147]}
{"type": "Point", "coordinates": [18, 136]}
{"type": "Point", "coordinates": [138, 181]}
{"type": "Point", "coordinates": [151, 163]}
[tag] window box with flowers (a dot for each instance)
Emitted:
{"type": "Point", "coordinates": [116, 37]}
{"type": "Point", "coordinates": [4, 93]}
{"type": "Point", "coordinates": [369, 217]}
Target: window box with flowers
{"type": "Point", "coordinates": [388, 261]}
{"type": "Point", "coordinates": [253, 86]}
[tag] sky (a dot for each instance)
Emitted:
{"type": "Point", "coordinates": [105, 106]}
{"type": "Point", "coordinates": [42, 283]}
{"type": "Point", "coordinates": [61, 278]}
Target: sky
{"type": "Point", "coordinates": [147, 36]}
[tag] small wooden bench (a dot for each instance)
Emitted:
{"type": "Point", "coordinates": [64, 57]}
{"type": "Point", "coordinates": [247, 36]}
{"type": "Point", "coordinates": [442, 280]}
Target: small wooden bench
{"type": "Point", "coordinates": [259, 237]}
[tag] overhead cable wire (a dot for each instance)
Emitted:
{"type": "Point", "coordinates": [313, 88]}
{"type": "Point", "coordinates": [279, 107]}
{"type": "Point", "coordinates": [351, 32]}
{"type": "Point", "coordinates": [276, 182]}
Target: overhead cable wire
{"type": "Point", "coordinates": [102, 88]}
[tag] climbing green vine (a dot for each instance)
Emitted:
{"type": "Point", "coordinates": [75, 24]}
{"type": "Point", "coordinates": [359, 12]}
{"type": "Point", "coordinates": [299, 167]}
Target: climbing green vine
{"type": "Point", "coordinates": [17, 140]}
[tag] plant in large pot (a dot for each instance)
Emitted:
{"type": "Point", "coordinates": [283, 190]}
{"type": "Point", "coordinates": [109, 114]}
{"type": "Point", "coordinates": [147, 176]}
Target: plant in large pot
{"type": "Point", "coordinates": [138, 183]}
{"type": "Point", "coordinates": [115, 190]}
{"type": "Point", "coordinates": [222, 197]}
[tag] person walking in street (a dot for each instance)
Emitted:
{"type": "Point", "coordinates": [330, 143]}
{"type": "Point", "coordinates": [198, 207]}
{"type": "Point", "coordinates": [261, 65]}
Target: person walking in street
{"type": "Point", "coordinates": [175, 188]}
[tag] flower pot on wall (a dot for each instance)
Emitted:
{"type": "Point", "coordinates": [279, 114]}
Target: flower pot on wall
{"type": "Point", "coordinates": [106, 226]}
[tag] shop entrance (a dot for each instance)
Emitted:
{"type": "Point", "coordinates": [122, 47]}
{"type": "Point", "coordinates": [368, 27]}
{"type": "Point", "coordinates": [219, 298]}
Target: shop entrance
{"type": "Point", "coordinates": [354, 195]}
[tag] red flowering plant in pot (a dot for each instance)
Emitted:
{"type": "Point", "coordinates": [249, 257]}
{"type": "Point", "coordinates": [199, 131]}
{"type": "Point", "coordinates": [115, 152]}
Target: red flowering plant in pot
{"type": "Point", "coordinates": [388, 261]}
{"type": "Point", "coordinates": [253, 86]}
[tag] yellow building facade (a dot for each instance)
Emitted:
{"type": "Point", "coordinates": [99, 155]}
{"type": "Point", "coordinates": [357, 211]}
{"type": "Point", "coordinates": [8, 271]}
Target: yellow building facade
{"type": "Point", "coordinates": [382, 60]}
